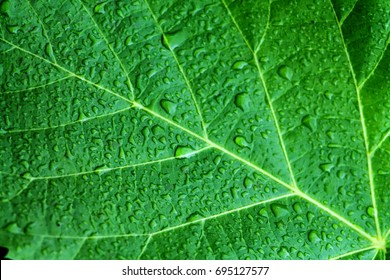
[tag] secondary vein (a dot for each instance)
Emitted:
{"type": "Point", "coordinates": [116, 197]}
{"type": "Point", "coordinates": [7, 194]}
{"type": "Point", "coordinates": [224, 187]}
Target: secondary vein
{"type": "Point", "coordinates": [364, 128]}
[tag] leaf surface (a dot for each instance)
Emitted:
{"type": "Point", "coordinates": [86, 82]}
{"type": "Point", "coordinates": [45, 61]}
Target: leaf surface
{"type": "Point", "coordinates": [195, 129]}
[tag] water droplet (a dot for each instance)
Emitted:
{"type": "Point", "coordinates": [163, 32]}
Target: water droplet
{"type": "Point", "coordinates": [99, 8]}
{"type": "Point", "coordinates": [5, 7]}
{"type": "Point", "coordinates": [326, 167]}
{"type": "Point", "coordinates": [242, 101]}
{"type": "Point", "coordinates": [13, 228]}
{"type": "Point", "coordinates": [285, 72]}
{"type": "Point", "coordinates": [194, 217]}
{"type": "Point", "coordinates": [239, 65]}
{"type": "Point", "coordinates": [128, 41]}
{"type": "Point", "coordinates": [217, 160]}
{"type": "Point", "coordinates": [49, 50]}
{"type": "Point", "coordinates": [283, 253]}
{"type": "Point", "coordinates": [81, 115]}
{"type": "Point", "coordinates": [13, 29]}
{"type": "Point", "coordinates": [153, 223]}
{"type": "Point", "coordinates": [328, 95]}
{"type": "Point", "coordinates": [370, 211]}
{"type": "Point", "coordinates": [297, 207]}
{"type": "Point", "coordinates": [241, 141]}
{"type": "Point", "coordinates": [182, 151]}
{"type": "Point", "coordinates": [168, 106]}
{"type": "Point", "coordinates": [279, 210]}
{"type": "Point", "coordinates": [233, 191]}
{"type": "Point", "coordinates": [157, 130]}
{"type": "Point", "coordinates": [27, 175]}
{"type": "Point", "coordinates": [146, 132]}
{"type": "Point", "coordinates": [174, 39]}
{"type": "Point", "coordinates": [313, 236]}
{"type": "Point", "coordinates": [310, 122]}
{"type": "Point", "coordinates": [248, 182]}
{"type": "Point", "coordinates": [101, 168]}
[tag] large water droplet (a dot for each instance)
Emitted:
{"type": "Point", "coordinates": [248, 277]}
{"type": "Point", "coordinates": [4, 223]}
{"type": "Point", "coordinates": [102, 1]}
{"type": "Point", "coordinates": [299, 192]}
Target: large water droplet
{"type": "Point", "coordinates": [242, 101]}
{"type": "Point", "coordinates": [182, 151]}
{"type": "Point", "coordinates": [285, 72]}
{"type": "Point", "coordinates": [49, 50]}
{"type": "Point", "coordinates": [310, 122]}
{"type": "Point", "coordinates": [13, 228]}
{"type": "Point", "coordinates": [5, 7]}
{"type": "Point", "coordinates": [239, 65]}
{"type": "Point", "coordinates": [99, 8]}
{"type": "Point", "coordinates": [128, 41]}
{"type": "Point", "coordinates": [279, 210]}
{"type": "Point", "coordinates": [241, 141]}
{"type": "Point", "coordinates": [248, 182]}
{"type": "Point", "coordinates": [283, 253]}
{"type": "Point", "coordinates": [168, 106]}
{"type": "Point", "coordinates": [313, 236]}
{"type": "Point", "coordinates": [174, 39]}
{"type": "Point", "coordinates": [326, 167]}
{"type": "Point", "coordinates": [12, 28]}
{"type": "Point", "coordinates": [194, 217]}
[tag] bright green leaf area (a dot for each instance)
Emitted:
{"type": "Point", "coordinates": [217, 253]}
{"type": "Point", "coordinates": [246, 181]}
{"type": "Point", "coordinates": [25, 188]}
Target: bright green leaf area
{"type": "Point", "coordinates": [215, 129]}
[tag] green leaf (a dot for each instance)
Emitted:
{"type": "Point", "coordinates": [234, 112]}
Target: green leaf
{"type": "Point", "coordinates": [195, 129]}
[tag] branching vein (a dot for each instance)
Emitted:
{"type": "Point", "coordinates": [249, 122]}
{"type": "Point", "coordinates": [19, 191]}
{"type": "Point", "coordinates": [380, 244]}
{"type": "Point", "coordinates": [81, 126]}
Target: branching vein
{"type": "Point", "coordinates": [66, 124]}
{"type": "Point", "coordinates": [364, 128]}
{"type": "Point", "coordinates": [274, 117]}
{"type": "Point", "coordinates": [353, 252]}
{"type": "Point", "coordinates": [180, 69]}
{"type": "Point", "coordinates": [44, 31]}
{"type": "Point", "coordinates": [130, 85]}
{"type": "Point", "coordinates": [36, 87]}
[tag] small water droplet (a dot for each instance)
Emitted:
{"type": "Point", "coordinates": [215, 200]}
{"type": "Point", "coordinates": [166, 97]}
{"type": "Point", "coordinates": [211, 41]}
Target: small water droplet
{"type": "Point", "coordinates": [239, 65]}
{"type": "Point", "coordinates": [242, 101]}
{"type": "Point", "coordinates": [328, 95]}
{"type": "Point", "coordinates": [326, 167]}
{"type": "Point", "coordinates": [168, 106]}
{"type": "Point", "coordinates": [241, 141]}
{"type": "Point", "coordinates": [310, 122]}
{"type": "Point", "coordinates": [370, 211]}
{"type": "Point", "coordinates": [285, 72]}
